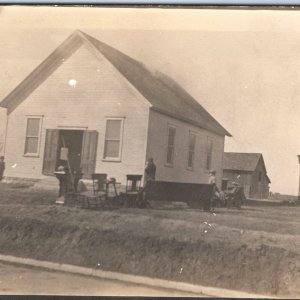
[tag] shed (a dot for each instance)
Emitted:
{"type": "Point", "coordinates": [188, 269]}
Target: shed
{"type": "Point", "coordinates": [249, 170]}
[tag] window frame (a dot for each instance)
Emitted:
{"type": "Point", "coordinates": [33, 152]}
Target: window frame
{"type": "Point", "coordinates": [119, 158]}
{"type": "Point", "coordinates": [170, 164]}
{"type": "Point", "coordinates": [191, 168]}
{"type": "Point", "coordinates": [209, 154]}
{"type": "Point", "coordinates": [37, 153]}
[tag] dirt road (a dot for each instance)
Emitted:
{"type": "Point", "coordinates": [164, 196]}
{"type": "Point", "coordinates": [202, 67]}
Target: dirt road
{"type": "Point", "coordinates": [21, 280]}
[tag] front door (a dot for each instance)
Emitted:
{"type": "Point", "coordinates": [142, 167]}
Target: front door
{"type": "Point", "coordinates": [70, 147]}
{"type": "Point", "coordinates": [75, 149]}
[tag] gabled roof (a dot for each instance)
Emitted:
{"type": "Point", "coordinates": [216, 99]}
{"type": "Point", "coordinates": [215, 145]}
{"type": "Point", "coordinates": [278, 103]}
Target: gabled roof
{"type": "Point", "coordinates": [241, 161]}
{"type": "Point", "coordinates": [246, 162]}
{"type": "Point", "coordinates": [162, 92]}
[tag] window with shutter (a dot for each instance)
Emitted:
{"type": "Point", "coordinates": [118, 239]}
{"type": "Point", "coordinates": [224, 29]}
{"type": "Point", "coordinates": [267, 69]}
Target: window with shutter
{"type": "Point", "coordinates": [209, 152]}
{"type": "Point", "coordinates": [191, 150]}
{"type": "Point", "coordinates": [113, 139]}
{"type": "Point", "coordinates": [32, 139]}
{"type": "Point", "coordinates": [171, 145]}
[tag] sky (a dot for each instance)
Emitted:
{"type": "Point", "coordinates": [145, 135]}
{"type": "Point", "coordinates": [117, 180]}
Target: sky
{"type": "Point", "coordinates": [243, 66]}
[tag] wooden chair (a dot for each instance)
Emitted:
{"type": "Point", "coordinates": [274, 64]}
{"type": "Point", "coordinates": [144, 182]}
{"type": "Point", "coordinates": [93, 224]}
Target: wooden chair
{"type": "Point", "coordinates": [112, 196]}
{"type": "Point", "coordinates": [133, 187]}
{"type": "Point", "coordinates": [94, 198]}
{"type": "Point", "coordinates": [99, 181]}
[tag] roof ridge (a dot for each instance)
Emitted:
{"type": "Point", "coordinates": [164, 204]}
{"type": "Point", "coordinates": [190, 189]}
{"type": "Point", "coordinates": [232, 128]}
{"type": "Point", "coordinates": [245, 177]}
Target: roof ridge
{"type": "Point", "coordinates": [242, 161]}
{"type": "Point", "coordinates": [68, 46]}
{"type": "Point", "coordinates": [191, 102]}
{"type": "Point", "coordinates": [255, 153]}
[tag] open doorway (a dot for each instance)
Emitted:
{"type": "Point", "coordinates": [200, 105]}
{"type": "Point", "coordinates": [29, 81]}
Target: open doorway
{"type": "Point", "coordinates": [70, 148]}
{"type": "Point", "coordinates": [224, 184]}
{"type": "Point", "coordinates": [79, 146]}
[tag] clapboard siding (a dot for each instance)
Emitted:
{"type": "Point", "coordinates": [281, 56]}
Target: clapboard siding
{"type": "Point", "coordinates": [157, 148]}
{"type": "Point", "coordinates": [242, 177]}
{"type": "Point", "coordinates": [253, 187]}
{"type": "Point", "coordinates": [260, 186]}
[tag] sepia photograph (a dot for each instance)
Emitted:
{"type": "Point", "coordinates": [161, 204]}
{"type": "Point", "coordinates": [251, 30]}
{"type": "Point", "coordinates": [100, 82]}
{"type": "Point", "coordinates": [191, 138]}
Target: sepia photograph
{"type": "Point", "coordinates": [150, 151]}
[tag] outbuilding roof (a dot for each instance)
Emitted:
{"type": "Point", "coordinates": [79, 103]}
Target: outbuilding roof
{"type": "Point", "coordinates": [163, 93]}
{"type": "Point", "coordinates": [241, 161]}
{"type": "Point", "coordinates": [246, 162]}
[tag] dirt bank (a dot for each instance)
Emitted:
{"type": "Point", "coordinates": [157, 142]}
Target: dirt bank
{"type": "Point", "coordinates": [189, 246]}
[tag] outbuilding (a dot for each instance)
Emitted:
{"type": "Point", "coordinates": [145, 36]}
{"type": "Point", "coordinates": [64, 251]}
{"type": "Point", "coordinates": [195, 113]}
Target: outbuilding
{"type": "Point", "coordinates": [249, 170]}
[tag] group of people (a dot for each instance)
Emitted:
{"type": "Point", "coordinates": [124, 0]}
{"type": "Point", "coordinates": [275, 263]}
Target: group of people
{"type": "Point", "coordinates": [150, 172]}
{"type": "Point", "coordinates": [234, 194]}
{"type": "Point", "coordinates": [223, 196]}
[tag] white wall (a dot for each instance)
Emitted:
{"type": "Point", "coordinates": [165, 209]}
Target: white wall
{"type": "Point", "coordinates": [157, 148]}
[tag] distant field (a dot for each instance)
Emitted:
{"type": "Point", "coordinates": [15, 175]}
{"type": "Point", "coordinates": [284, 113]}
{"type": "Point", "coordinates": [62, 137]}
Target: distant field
{"type": "Point", "coordinates": [256, 249]}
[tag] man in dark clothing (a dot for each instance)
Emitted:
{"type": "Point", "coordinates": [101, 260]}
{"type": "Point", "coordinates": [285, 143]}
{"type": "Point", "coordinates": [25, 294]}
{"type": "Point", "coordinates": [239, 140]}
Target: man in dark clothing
{"type": "Point", "coordinates": [150, 170]}
{"type": "Point", "coordinates": [2, 167]}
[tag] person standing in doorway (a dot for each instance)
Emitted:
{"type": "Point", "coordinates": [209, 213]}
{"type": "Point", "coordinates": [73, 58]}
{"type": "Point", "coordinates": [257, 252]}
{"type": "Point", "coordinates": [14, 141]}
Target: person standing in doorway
{"type": "Point", "coordinates": [2, 167]}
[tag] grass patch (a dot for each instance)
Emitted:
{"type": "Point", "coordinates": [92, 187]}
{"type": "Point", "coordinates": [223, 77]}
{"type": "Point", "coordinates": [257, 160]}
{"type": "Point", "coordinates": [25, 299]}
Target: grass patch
{"type": "Point", "coordinates": [255, 249]}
